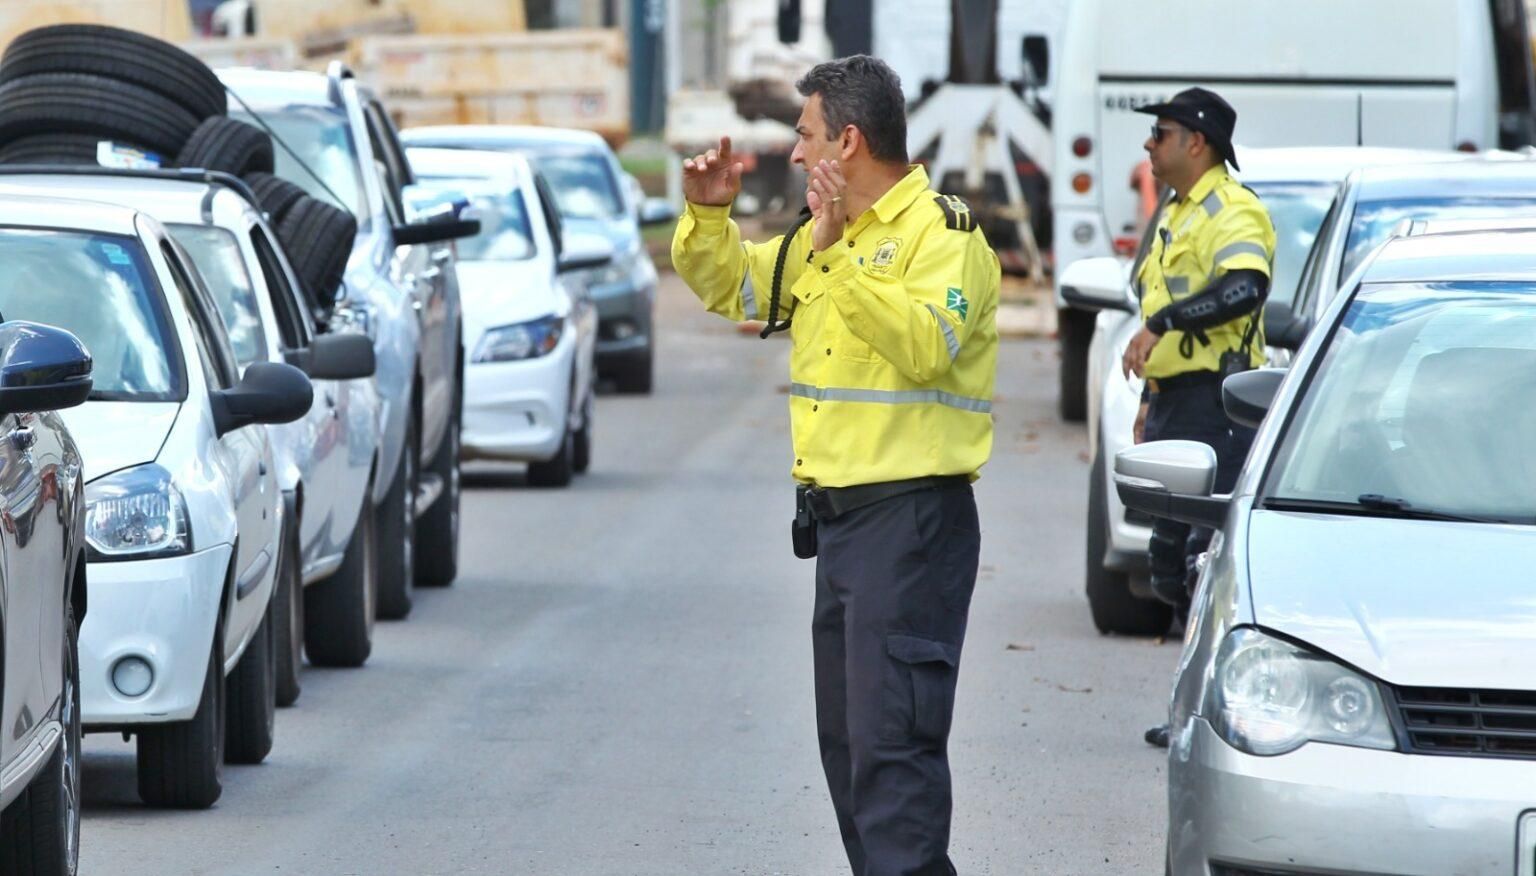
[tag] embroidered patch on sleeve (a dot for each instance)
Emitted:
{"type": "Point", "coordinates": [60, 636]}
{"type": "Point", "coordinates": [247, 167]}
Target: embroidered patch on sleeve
{"type": "Point", "coordinates": [956, 302]}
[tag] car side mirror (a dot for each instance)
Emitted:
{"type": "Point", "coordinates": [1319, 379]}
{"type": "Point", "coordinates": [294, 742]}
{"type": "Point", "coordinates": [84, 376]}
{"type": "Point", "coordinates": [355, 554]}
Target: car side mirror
{"type": "Point", "coordinates": [585, 253]}
{"type": "Point", "coordinates": [42, 368]}
{"type": "Point", "coordinates": [656, 211]}
{"type": "Point", "coordinates": [437, 231]}
{"type": "Point", "coordinates": [270, 393]}
{"type": "Point", "coordinates": [1247, 396]}
{"type": "Point", "coordinates": [1283, 328]}
{"type": "Point", "coordinates": [1037, 60]}
{"type": "Point", "coordinates": [344, 356]}
{"type": "Point", "coordinates": [1173, 480]}
{"type": "Point", "coordinates": [1096, 284]}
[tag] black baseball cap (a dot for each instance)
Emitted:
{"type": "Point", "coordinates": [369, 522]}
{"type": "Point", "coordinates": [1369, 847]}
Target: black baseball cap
{"type": "Point", "coordinates": [1200, 110]}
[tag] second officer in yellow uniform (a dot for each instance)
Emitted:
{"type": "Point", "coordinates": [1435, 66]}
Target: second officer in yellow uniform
{"type": "Point", "coordinates": [889, 293]}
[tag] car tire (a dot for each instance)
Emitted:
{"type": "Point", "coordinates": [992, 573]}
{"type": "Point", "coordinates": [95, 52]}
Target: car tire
{"type": "Point", "coordinates": [397, 531]}
{"type": "Point", "coordinates": [288, 613]}
{"type": "Point", "coordinates": [120, 55]}
{"type": "Point", "coordinates": [581, 450]}
{"type": "Point", "coordinates": [51, 149]}
{"type": "Point", "coordinates": [437, 532]}
{"type": "Point", "coordinates": [636, 374]}
{"type": "Point", "coordinates": [76, 103]}
{"type": "Point", "coordinates": [181, 763]}
{"type": "Point", "coordinates": [558, 471]}
{"type": "Point", "coordinates": [1074, 330]}
{"type": "Point", "coordinates": [318, 239]}
{"type": "Point", "coordinates": [339, 611]}
{"type": "Point", "coordinates": [229, 146]}
{"type": "Point", "coordinates": [275, 195]}
{"type": "Point", "coordinates": [40, 830]}
{"type": "Point", "coordinates": [1114, 607]}
{"type": "Point", "coordinates": [250, 698]}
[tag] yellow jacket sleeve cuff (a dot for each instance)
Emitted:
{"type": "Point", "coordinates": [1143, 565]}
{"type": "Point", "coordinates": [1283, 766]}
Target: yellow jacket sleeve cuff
{"type": "Point", "coordinates": [708, 219]}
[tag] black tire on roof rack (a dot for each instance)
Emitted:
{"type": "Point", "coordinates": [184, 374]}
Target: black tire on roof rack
{"type": "Point", "coordinates": [51, 149]}
{"type": "Point", "coordinates": [77, 103]}
{"type": "Point", "coordinates": [227, 145]}
{"type": "Point", "coordinates": [275, 194]}
{"type": "Point", "coordinates": [318, 238]}
{"type": "Point", "coordinates": [117, 54]}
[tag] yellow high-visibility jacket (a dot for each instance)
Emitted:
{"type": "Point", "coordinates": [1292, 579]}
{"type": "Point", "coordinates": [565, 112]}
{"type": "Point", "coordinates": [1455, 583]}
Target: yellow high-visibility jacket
{"type": "Point", "coordinates": [894, 332]}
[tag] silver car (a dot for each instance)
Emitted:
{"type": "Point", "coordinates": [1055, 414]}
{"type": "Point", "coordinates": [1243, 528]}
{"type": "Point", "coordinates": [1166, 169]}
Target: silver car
{"type": "Point", "coordinates": [1354, 694]}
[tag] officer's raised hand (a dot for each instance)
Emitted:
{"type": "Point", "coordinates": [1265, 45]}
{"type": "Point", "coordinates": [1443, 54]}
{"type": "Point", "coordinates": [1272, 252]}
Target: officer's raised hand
{"type": "Point", "coordinates": [824, 194]}
{"type": "Point", "coordinates": [712, 178]}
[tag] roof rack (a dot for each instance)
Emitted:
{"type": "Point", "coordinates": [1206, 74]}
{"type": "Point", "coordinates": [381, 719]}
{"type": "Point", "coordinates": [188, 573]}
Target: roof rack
{"type": "Point", "coordinates": [179, 174]}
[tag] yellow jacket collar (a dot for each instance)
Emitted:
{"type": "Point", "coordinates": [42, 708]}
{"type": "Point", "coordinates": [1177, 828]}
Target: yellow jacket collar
{"type": "Point", "coordinates": [1207, 184]}
{"type": "Point", "coordinates": [901, 195]}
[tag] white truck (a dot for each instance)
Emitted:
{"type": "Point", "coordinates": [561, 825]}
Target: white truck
{"type": "Point", "coordinates": [1433, 74]}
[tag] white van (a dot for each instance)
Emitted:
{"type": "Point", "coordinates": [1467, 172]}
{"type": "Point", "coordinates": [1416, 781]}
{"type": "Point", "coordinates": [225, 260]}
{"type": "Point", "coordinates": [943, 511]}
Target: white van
{"type": "Point", "coordinates": [1433, 74]}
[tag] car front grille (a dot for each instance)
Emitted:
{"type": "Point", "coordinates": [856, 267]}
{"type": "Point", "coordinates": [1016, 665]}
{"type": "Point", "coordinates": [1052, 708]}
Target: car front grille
{"type": "Point", "coordinates": [1451, 721]}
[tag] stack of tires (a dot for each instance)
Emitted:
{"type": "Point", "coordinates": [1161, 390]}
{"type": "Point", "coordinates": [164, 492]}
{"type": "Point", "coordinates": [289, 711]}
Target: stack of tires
{"type": "Point", "coordinates": [67, 89]}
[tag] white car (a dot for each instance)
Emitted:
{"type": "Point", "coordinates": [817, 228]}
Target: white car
{"type": "Point", "coordinates": [530, 326]}
{"type": "Point", "coordinates": [183, 507]}
{"type": "Point", "coordinates": [1296, 185]}
{"type": "Point", "coordinates": [324, 459]}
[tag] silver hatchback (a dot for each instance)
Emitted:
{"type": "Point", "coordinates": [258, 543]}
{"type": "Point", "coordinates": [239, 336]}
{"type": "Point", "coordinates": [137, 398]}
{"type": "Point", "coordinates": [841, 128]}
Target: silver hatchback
{"type": "Point", "coordinates": [1355, 694]}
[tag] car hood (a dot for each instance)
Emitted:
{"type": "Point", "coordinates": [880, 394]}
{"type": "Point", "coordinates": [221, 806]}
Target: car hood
{"type": "Point", "coordinates": [1419, 603]}
{"type": "Point", "coordinates": [506, 292]}
{"type": "Point", "coordinates": [114, 435]}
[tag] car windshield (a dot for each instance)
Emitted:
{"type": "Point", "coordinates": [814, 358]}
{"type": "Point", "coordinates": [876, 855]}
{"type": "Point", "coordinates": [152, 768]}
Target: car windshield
{"type": "Point", "coordinates": [505, 233]}
{"type": "Point", "coordinates": [101, 288]}
{"type": "Point", "coordinates": [1297, 211]}
{"type": "Point", "coordinates": [1423, 395]}
{"type": "Point", "coordinates": [217, 256]}
{"type": "Point", "coordinates": [1375, 220]}
{"type": "Point", "coordinates": [322, 141]}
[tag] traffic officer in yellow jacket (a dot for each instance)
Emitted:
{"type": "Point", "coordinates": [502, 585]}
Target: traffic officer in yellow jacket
{"type": "Point", "coordinates": [889, 293]}
{"type": "Point", "coordinates": [1202, 287]}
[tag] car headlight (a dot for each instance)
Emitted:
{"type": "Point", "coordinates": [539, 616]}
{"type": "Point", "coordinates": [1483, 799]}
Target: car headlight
{"type": "Point", "coordinates": [1270, 697]}
{"type": "Point", "coordinates": [134, 515]}
{"type": "Point", "coordinates": [524, 340]}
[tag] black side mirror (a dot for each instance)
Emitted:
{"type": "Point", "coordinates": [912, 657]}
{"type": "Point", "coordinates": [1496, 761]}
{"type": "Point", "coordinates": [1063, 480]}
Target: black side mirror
{"type": "Point", "coordinates": [42, 368]}
{"type": "Point", "coordinates": [269, 393]}
{"type": "Point", "coordinates": [1037, 60]}
{"type": "Point", "coordinates": [336, 357]}
{"type": "Point", "coordinates": [1283, 328]}
{"type": "Point", "coordinates": [1246, 396]}
{"type": "Point", "coordinates": [435, 232]}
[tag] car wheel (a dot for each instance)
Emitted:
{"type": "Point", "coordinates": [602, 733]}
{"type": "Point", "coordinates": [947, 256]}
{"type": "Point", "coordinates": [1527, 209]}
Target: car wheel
{"type": "Point", "coordinates": [51, 149]}
{"type": "Point", "coordinates": [581, 451]}
{"type": "Point", "coordinates": [318, 239]}
{"type": "Point", "coordinates": [637, 373]}
{"type": "Point", "coordinates": [275, 194]}
{"type": "Point", "coordinates": [181, 764]}
{"type": "Point", "coordinates": [558, 471]}
{"type": "Point", "coordinates": [75, 103]}
{"type": "Point", "coordinates": [251, 698]}
{"type": "Point", "coordinates": [288, 599]}
{"type": "Point", "coordinates": [121, 55]}
{"type": "Point", "coordinates": [1074, 328]}
{"type": "Point", "coordinates": [40, 831]}
{"type": "Point", "coordinates": [397, 532]}
{"type": "Point", "coordinates": [437, 532]}
{"type": "Point", "coordinates": [1114, 607]}
{"type": "Point", "coordinates": [227, 145]}
{"type": "Point", "coordinates": [339, 611]}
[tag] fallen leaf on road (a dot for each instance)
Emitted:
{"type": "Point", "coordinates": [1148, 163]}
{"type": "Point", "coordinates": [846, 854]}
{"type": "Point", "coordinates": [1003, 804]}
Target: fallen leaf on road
{"type": "Point", "coordinates": [1015, 646]}
{"type": "Point", "coordinates": [1064, 689]}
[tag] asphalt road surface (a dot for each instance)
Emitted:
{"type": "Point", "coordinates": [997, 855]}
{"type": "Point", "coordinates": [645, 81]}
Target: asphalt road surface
{"type": "Point", "coordinates": [619, 683]}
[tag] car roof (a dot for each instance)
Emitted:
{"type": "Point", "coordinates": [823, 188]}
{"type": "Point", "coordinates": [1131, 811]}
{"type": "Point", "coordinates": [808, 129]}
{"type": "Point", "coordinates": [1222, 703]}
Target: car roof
{"type": "Point", "coordinates": [428, 161]}
{"type": "Point", "coordinates": [79, 214]}
{"type": "Point", "coordinates": [1503, 255]}
{"type": "Point", "coordinates": [1328, 163]}
{"type": "Point", "coordinates": [171, 201]}
{"type": "Point", "coordinates": [492, 134]}
{"type": "Point", "coordinates": [277, 86]}
{"type": "Point", "coordinates": [1483, 177]}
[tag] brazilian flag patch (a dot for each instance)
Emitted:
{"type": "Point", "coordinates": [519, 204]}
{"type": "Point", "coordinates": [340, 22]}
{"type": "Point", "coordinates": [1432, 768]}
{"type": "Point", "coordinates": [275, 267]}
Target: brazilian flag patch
{"type": "Point", "coordinates": [957, 303]}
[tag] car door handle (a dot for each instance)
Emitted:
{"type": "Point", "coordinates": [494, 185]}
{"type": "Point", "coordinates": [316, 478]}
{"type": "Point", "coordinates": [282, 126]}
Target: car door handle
{"type": "Point", "coordinates": [22, 438]}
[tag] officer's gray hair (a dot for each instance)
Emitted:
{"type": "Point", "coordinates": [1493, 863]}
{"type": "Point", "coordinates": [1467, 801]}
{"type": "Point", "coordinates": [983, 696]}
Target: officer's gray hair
{"type": "Point", "coordinates": [866, 93]}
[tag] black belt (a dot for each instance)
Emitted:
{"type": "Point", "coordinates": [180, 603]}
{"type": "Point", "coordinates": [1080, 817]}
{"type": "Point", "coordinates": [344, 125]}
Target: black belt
{"type": "Point", "coordinates": [1183, 381]}
{"type": "Point", "coordinates": [828, 503]}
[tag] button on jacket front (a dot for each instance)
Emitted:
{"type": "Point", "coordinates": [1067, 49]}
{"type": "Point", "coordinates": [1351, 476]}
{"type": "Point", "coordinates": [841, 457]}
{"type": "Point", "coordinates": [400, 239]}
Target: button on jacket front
{"type": "Point", "coordinates": [894, 332]}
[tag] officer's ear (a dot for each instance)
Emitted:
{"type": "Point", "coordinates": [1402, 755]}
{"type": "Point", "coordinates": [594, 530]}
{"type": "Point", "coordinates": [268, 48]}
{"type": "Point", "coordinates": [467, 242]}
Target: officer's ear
{"type": "Point", "coordinates": [849, 142]}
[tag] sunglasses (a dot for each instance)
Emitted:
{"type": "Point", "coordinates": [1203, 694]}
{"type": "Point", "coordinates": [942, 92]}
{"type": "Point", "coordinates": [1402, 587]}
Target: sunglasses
{"type": "Point", "coordinates": [1161, 131]}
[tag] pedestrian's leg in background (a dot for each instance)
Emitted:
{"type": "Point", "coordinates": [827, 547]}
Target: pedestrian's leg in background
{"type": "Point", "coordinates": [829, 658]}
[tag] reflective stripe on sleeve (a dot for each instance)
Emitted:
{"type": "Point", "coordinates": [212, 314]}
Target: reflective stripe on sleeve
{"type": "Point", "coordinates": [748, 299]}
{"type": "Point", "coordinates": [1242, 247]}
{"type": "Point", "coordinates": [950, 340]}
{"type": "Point", "coordinates": [891, 397]}
{"type": "Point", "coordinates": [1177, 285]}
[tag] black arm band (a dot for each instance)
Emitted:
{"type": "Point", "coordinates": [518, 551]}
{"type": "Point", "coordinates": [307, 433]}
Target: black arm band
{"type": "Point", "coordinates": [1237, 293]}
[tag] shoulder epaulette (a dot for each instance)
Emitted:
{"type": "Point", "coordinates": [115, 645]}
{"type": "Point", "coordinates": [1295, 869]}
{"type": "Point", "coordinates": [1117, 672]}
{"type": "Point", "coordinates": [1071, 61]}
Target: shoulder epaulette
{"type": "Point", "coordinates": [957, 213]}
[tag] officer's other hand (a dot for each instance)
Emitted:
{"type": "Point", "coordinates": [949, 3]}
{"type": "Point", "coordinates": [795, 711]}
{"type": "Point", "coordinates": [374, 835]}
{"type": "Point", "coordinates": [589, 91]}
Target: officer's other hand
{"type": "Point", "coordinates": [1137, 351]}
{"type": "Point", "coordinates": [825, 194]}
{"type": "Point", "coordinates": [1139, 431]}
{"type": "Point", "coordinates": [712, 178]}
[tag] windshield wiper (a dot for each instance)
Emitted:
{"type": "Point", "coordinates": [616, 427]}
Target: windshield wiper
{"type": "Point", "coordinates": [1376, 505]}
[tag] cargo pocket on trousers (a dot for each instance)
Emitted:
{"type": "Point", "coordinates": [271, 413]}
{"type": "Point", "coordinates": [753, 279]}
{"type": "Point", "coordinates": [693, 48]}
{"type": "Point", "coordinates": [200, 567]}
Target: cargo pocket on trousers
{"type": "Point", "coordinates": [920, 689]}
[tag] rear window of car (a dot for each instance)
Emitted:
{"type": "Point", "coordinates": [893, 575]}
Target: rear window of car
{"type": "Point", "coordinates": [101, 288]}
{"type": "Point", "coordinates": [216, 255]}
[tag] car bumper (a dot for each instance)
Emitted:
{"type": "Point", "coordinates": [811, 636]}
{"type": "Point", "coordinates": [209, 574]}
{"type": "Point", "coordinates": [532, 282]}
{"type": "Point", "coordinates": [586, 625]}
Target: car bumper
{"type": "Point", "coordinates": [1340, 810]}
{"type": "Point", "coordinates": [518, 411]}
{"type": "Point", "coordinates": [623, 319]}
{"type": "Point", "coordinates": [163, 611]}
